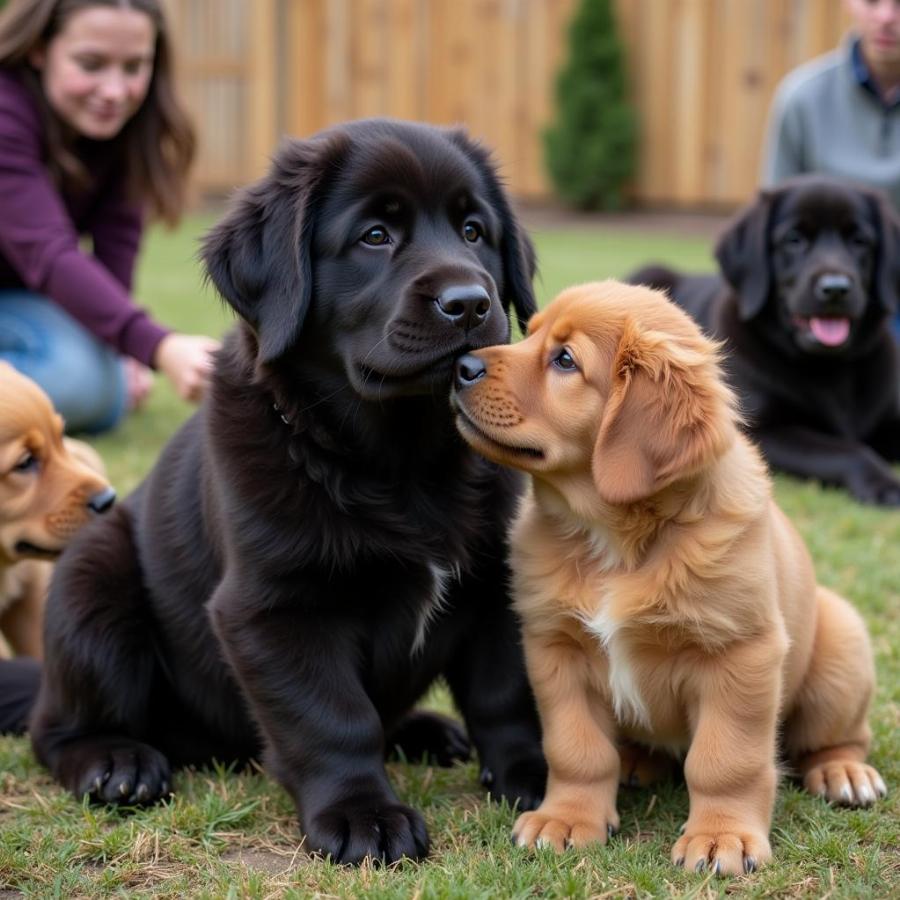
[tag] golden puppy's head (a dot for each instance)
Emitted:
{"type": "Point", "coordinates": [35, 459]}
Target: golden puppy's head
{"type": "Point", "coordinates": [613, 382]}
{"type": "Point", "coordinates": [46, 493]}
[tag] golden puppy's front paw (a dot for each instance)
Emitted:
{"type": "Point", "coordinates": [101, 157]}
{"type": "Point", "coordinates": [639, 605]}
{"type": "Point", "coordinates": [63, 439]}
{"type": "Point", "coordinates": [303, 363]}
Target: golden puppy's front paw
{"type": "Point", "coordinates": [723, 852]}
{"type": "Point", "coordinates": [562, 828]}
{"type": "Point", "coordinates": [845, 783]}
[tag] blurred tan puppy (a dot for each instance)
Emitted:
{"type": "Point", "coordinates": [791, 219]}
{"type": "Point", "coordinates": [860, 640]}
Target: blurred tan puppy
{"type": "Point", "coordinates": [49, 487]}
{"type": "Point", "coordinates": [666, 601]}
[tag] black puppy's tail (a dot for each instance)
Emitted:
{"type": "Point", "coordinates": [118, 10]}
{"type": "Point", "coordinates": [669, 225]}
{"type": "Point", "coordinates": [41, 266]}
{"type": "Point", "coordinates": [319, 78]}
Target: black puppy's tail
{"type": "Point", "coordinates": [20, 679]}
{"type": "Point", "coordinates": [655, 276]}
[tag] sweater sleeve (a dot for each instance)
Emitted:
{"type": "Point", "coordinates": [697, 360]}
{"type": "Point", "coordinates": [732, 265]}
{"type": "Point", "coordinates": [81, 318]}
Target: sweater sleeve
{"type": "Point", "coordinates": [783, 154]}
{"type": "Point", "coordinates": [39, 240]}
{"type": "Point", "coordinates": [116, 227]}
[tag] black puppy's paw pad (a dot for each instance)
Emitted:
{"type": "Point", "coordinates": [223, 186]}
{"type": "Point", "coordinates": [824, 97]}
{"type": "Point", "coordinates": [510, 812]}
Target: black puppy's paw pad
{"type": "Point", "coordinates": [123, 772]}
{"type": "Point", "coordinates": [350, 834]}
{"type": "Point", "coordinates": [432, 737]}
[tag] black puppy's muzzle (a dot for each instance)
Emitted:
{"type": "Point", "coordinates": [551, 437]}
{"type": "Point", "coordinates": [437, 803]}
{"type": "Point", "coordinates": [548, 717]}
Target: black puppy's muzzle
{"type": "Point", "coordinates": [826, 291]}
{"type": "Point", "coordinates": [469, 369]}
{"type": "Point", "coordinates": [832, 290]}
{"type": "Point", "coordinates": [465, 305]}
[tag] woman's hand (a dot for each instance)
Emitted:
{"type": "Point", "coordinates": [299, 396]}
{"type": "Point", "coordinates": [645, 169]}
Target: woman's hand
{"type": "Point", "coordinates": [186, 360]}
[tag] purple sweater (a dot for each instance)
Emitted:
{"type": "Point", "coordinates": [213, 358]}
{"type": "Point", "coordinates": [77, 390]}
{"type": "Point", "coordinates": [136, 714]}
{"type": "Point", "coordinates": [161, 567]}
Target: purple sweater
{"type": "Point", "coordinates": [40, 230]}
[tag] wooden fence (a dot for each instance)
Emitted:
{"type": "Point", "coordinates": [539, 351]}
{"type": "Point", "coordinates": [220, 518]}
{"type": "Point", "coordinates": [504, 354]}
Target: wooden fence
{"type": "Point", "coordinates": [702, 74]}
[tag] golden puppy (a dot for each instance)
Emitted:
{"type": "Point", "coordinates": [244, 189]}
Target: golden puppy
{"type": "Point", "coordinates": [49, 487]}
{"type": "Point", "coordinates": [666, 601]}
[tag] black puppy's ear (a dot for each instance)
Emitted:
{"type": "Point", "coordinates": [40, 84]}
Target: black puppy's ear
{"type": "Point", "coordinates": [258, 256]}
{"type": "Point", "coordinates": [887, 263]}
{"type": "Point", "coordinates": [520, 267]}
{"type": "Point", "coordinates": [743, 255]}
{"type": "Point", "coordinates": [516, 249]}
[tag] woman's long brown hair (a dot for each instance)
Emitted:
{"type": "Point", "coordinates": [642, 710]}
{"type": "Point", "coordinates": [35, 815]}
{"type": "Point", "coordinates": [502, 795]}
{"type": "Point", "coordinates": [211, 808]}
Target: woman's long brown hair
{"type": "Point", "coordinates": [156, 144]}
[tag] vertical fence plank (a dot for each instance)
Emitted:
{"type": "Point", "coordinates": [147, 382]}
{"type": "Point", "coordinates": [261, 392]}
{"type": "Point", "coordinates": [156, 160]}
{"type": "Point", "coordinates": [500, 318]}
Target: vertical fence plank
{"type": "Point", "coordinates": [261, 86]}
{"type": "Point", "coordinates": [403, 59]}
{"type": "Point", "coordinates": [657, 170]}
{"type": "Point", "coordinates": [338, 100]}
{"type": "Point", "coordinates": [691, 35]}
{"type": "Point", "coordinates": [368, 46]}
{"type": "Point", "coordinates": [536, 93]}
{"type": "Point", "coordinates": [304, 66]}
{"type": "Point", "coordinates": [494, 94]}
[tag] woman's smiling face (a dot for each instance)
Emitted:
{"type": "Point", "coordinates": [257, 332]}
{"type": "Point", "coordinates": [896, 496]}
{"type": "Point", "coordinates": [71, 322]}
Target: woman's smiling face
{"type": "Point", "coordinates": [96, 70]}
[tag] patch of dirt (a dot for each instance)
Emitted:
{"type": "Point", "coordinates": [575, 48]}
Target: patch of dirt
{"type": "Point", "coordinates": [695, 224]}
{"type": "Point", "coordinates": [269, 862]}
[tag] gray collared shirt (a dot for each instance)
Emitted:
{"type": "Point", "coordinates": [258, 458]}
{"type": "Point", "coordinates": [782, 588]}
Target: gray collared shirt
{"type": "Point", "coordinates": [825, 119]}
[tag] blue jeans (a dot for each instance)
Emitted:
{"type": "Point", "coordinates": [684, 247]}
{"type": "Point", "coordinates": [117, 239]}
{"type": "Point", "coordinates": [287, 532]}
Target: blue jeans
{"type": "Point", "coordinates": [83, 377]}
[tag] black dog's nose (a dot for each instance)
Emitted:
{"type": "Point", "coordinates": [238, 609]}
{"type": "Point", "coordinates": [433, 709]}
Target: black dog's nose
{"type": "Point", "coordinates": [466, 305]}
{"type": "Point", "coordinates": [469, 369]}
{"type": "Point", "coordinates": [832, 288]}
{"type": "Point", "coordinates": [102, 500]}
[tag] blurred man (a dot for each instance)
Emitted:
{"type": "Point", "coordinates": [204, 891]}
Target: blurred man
{"type": "Point", "coordinates": [839, 114]}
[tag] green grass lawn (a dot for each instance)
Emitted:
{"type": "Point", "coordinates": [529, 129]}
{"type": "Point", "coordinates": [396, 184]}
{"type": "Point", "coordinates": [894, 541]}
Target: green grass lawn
{"type": "Point", "coordinates": [226, 835]}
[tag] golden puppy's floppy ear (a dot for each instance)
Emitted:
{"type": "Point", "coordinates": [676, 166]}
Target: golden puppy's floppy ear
{"type": "Point", "coordinates": [668, 414]}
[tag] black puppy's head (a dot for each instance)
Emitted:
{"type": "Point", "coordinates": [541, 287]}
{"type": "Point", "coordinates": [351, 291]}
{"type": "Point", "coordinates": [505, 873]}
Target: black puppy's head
{"type": "Point", "coordinates": [378, 251]}
{"type": "Point", "coordinates": [816, 263]}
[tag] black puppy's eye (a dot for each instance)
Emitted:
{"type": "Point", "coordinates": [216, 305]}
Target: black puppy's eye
{"type": "Point", "coordinates": [472, 232]}
{"type": "Point", "coordinates": [377, 236]}
{"type": "Point", "coordinates": [859, 241]}
{"type": "Point", "coordinates": [794, 240]}
{"type": "Point", "coordinates": [564, 360]}
{"type": "Point", "coordinates": [26, 462]}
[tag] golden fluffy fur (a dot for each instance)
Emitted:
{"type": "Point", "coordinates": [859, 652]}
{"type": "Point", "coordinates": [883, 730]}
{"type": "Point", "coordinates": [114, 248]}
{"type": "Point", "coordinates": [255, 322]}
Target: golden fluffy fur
{"type": "Point", "coordinates": [667, 603]}
{"type": "Point", "coordinates": [49, 487]}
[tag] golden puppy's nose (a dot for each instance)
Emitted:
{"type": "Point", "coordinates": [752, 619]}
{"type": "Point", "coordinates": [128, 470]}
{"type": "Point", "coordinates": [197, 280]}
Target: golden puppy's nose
{"type": "Point", "coordinates": [469, 369]}
{"type": "Point", "coordinates": [102, 500]}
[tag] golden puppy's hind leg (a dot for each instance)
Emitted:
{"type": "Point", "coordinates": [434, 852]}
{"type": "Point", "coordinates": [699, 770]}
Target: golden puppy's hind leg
{"type": "Point", "coordinates": [826, 733]}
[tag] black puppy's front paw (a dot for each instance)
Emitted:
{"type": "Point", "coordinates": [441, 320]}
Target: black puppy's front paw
{"type": "Point", "coordinates": [115, 770]}
{"type": "Point", "coordinates": [520, 780]}
{"type": "Point", "coordinates": [354, 829]}
{"type": "Point", "coordinates": [877, 488]}
{"type": "Point", "coordinates": [431, 736]}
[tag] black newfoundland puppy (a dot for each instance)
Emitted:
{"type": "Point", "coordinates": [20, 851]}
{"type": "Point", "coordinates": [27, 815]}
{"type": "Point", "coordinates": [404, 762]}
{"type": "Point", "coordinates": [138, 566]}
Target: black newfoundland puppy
{"type": "Point", "coordinates": [317, 544]}
{"type": "Point", "coordinates": [810, 277]}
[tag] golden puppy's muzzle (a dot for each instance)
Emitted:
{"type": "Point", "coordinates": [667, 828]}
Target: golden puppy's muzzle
{"type": "Point", "coordinates": [486, 412]}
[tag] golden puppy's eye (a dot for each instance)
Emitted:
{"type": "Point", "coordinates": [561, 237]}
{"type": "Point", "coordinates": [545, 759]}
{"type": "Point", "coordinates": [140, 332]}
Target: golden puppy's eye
{"type": "Point", "coordinates": [377, 236]}
{"type": "Point", "coordinates": [564, 360]}
{"type": "Point", "coordinates": [26, 463]}
{"type": "Point", "coordinates": [472, 232]}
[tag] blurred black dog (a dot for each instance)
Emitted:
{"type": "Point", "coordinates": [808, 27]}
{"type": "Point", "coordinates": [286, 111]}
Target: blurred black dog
{"type": "Point", "coordinates": [811, 276]}
{"type": "Point", "coordinates": [317, 544]}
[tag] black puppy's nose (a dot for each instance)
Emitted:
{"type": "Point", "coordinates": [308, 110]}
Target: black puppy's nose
{"type": "Point", "coordinates": [466, 305]}
{"type": "Point", "coordinates": [832, 288]}
{"type": "Point", "coordinates": [469, 369]}
{"type": "Point", "coordinates": [102, 500]}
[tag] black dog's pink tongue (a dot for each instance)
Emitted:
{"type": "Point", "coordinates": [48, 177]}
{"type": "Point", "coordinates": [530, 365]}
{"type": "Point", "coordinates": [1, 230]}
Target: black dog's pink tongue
{"type": "Point", "coordinates": [830, 332]}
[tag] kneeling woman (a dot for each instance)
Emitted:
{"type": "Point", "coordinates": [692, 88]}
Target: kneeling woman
{"type": "Point", "coordinates": [92, 136]}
